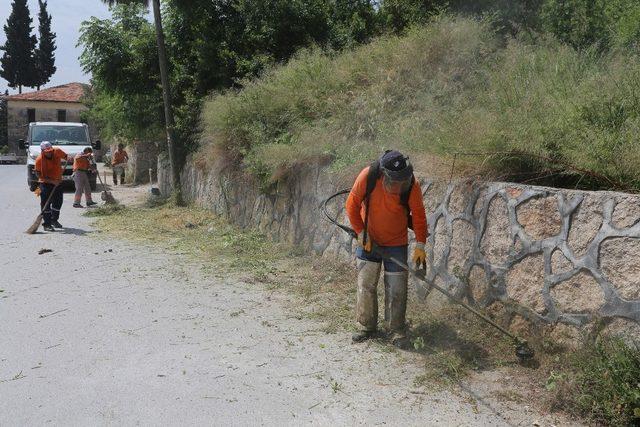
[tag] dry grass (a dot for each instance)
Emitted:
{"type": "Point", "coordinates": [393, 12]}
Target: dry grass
{"type": "Point", "coordinates": [449, 87]}
{"type": "Point", "coordinates": [325, 287]}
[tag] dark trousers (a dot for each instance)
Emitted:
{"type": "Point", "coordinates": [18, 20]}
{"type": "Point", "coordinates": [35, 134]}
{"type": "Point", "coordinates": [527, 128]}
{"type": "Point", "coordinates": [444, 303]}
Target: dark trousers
{"type": "Point", "coordinates": [398, 252]}
{"type": "Point", "coordinates": [118, 170]}
{"type": "Point", "coordinates": [52, 211]}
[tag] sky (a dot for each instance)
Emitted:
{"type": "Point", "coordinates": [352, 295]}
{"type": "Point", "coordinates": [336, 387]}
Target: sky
{"type": "Point", "coordinates": [66, 16]}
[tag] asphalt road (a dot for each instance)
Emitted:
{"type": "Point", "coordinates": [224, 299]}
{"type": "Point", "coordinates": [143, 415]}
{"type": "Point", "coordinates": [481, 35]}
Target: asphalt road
{"type": "Point", "coordinates": [105, 332]}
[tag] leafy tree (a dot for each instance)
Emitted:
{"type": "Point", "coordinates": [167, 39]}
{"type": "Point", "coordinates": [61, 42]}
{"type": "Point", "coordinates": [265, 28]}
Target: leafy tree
{"type": "Point", "coordinates": [400, 14]}
{"type": "Point", "coordinates": [44, 55]}
{"type": "Point", "coordinates": [580, 23]}
{"type": "Point", "coordinates": [624, 16]}
{"type": "Point", "coordinates": [121, 55]}
{"type": "Point", "coordinates": [353, 22]}
{"type": "Point", "coordinates": [510, 16]}
{"type": "Point", "coordinates": [231, 40]}
{"type": "Point", "coordinates": [18, 61]}
{"type": "Point", "coordinates": [172, 144]}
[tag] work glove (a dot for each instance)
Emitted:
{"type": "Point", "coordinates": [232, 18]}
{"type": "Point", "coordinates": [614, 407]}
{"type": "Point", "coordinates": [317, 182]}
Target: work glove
{"type": "Point", "coordinates": [368, 246]}
{"type": "Point", "coordinates": [419, 256]}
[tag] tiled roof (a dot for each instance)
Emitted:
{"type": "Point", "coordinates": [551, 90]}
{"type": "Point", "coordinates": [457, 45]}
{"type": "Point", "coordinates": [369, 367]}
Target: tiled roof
{"type": "Point", "coordinates": [71, 92]}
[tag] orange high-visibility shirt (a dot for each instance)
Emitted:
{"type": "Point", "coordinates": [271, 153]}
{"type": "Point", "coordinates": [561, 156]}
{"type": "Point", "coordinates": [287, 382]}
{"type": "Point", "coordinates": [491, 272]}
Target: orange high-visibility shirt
{"type": "Point", "coordinates": [119, 156]}
{"type": "Point", "coordinates": [50, 170]}
{"type": "Point", "coordinates": [81, 162]}
{"type": "Point", "coordinates": [388, 220]}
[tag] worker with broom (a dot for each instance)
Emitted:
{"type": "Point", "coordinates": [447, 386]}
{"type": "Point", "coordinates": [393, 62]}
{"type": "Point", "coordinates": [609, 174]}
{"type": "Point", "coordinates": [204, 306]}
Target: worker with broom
{"type": "Point", "coordinates": [384, 202]}
{"type": "Point", "coordinates": [48, 168]}
{"type": "Point", "coordinates": [82, 167]}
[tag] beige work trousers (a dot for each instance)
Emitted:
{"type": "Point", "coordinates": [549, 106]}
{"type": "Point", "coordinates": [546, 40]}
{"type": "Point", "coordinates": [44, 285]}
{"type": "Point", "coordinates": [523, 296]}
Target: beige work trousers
{"type": "Point", "coordinates": [81, 180]}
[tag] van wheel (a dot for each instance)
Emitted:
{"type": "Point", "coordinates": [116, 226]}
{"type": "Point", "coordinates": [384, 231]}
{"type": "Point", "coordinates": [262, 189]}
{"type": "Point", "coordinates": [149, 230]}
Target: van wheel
{"type": "Point", "coordinates": [33, 186]}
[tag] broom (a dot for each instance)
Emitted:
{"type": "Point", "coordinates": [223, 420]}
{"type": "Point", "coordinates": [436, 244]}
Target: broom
{"type": "Point", "coordinates": [38, 221]}
{"type": "Point", "coordinates": [105, 195]}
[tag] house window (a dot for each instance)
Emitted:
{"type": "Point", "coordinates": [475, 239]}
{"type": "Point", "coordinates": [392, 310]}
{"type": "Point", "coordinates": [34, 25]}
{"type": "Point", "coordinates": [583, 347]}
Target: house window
{"type": "Point", "coordinates": [62, 115]}
{"type": "Point", "coordinates": [31, 115]}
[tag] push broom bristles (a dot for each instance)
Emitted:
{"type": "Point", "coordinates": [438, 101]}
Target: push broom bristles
{"type": "Point", "coordinates": [38, 221]}
{"type": "Point", "coordinates": [108, 198]}
{"type": "Point", "coordinates": [35, 225]}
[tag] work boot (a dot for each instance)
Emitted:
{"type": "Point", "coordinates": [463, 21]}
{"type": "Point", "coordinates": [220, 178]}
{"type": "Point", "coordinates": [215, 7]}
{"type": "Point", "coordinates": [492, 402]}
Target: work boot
{"type": "Point", "coordinates": [77, 205]}
{"type": "Point", "coordinates": [401, 341]}
{"type": "Point", "coordinates": [56, 224]}
{"type": "Point", "coordinates": [363, 335]}
{"type": "Point", "coordinates": [91, 203]}
{"type": "Point", "coordinates": [367, 299]}
{"type": "Point", "coordinates": [395, 305]}
{"type": "Point", "coordinates": [48, 227]}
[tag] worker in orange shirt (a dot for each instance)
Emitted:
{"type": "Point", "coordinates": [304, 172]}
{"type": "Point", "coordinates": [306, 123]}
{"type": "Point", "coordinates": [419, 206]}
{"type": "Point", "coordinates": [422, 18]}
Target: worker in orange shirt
{"type": "Point", "coordinates": [118, 164]}
{"type": "Point", "coordinates": [82, 167]}
{"type": "Point", "coordinates": [48, 168]}
{"type": "Point", "coordinates": [383, 201]}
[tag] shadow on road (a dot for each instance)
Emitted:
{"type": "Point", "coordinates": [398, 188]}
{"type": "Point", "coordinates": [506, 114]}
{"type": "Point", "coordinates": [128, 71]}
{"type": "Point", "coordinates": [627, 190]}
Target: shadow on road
{"type": "Point", "coordinates": [74, 231]}
{"type": "Point", "coordinates": [439, 336]}
{"type": "Point", "coordinates": [65, 230]}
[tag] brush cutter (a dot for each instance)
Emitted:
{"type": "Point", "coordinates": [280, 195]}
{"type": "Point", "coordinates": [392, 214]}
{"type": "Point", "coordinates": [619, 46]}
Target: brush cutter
{"type": "Point", "coordinates": [38, 220]}
{"type": "Point", "coordinates": [522, 349]}
{"type": "Point", "coordinates": [105, 195]}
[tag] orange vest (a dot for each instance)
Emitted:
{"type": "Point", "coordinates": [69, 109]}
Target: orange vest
{"type": "Point", "coordinates": [50, 170]}
{"type": "Point", "coordinates": [81, 162]}
{"type": "Point", "coordinates": [119, 157]}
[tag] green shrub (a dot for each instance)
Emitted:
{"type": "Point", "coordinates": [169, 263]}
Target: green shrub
{"type": "Point", "coordinates": [602, 383]}
{"type": "Point", "coordinates": [579, 23]}
{"type": "Point", "coordinates": [583, 23]}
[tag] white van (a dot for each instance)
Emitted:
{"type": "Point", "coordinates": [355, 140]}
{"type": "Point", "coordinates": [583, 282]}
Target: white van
{"type": "Point", "coordinates": [72, 138]}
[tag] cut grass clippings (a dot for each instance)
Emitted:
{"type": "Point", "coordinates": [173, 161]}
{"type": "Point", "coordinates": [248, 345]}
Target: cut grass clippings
{"type": "Point", "coordinates": [452, 343]}
{"type": "Point", "coordinates": [326, 286]}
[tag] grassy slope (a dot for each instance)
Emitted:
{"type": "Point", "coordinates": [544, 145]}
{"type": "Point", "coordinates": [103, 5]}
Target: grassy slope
{"type": "Point", "coordinates": [452, 86]}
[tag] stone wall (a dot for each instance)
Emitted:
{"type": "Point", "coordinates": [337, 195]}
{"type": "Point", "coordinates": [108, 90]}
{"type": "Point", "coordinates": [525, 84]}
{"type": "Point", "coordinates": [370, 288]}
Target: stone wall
{"type": "Point", "coordinates": [562, 260]}
{"type": "Point", "coordinates": [143, 156]}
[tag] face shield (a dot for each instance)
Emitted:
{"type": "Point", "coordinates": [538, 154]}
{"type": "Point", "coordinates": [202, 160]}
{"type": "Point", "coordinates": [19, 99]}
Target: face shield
{"type": "Point", "coordinates": [397, 174]}
{"type": "Point", "coordinates": [395, 185]}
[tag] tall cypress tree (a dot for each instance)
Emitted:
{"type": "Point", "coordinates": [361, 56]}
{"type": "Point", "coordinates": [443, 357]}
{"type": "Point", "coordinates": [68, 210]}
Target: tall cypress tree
{"type": "Point", "coordinates": [17, 65]}
{"type": "Point", "coordinates": [45, 58]}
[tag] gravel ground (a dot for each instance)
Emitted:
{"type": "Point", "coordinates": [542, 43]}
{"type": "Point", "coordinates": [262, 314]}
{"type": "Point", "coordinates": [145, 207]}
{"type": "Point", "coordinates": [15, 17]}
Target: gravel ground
{"type": "Point", "coordinates": [101, 331]}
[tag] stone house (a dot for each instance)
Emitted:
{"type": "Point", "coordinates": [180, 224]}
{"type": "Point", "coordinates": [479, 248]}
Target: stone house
{"type": "Point", "coordinates": [55, 104]}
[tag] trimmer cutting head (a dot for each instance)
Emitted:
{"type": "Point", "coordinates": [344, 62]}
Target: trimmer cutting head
{"type": "Point", "coordinates": [524, 352]}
